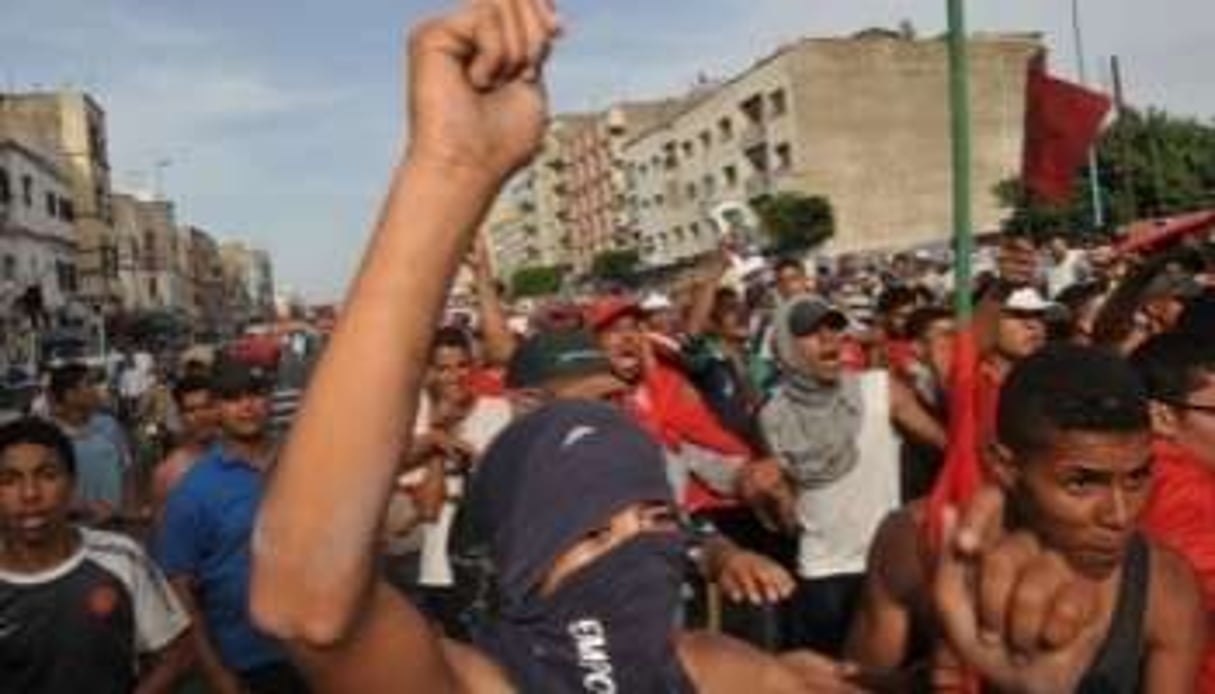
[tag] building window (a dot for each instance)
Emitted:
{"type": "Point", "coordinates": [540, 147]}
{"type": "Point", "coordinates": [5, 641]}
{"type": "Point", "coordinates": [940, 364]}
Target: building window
{"type": "Point", "coordinates": [753, 109]}
{"type": "Point", "coordinates": [659, 200]}
{"type": "Point", "coordinates": [688, 149]}
{"type": "Point", "coordinates": [152, 289]}
{"type": "Point", "coordinates": [706, 139]}
{"type": "Point", "coordinates": [52, 209]}
{"type": "Point", "coordinates": [27, 190]}
{"type": "Point", "coordinates": [710, 185]}
{"type": "Point", "coordinates": [725, 129]}
{"type": "Point", "coordinates": [784, 157]}
{"type": "Point", "coordinates": [730, 174]}
{"type": "Point", "coordinates": [66, 211]}
{"type": "Point", "coordinates": [692, 192]}
{"type": "Point", "coordinates": [6, 192]}
{"type": "Point", "coordinates": [9, 268]}
{"type": "Point", "coordinates": [695, 229]}
{"type": "Point", "coordinates": [778, 103]}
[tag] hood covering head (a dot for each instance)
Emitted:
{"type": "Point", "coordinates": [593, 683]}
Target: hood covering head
{"type": "Point", "coordinates": [811, 425]}
{"type": "Point", "coordinates": [547, 481]}
{"type": "Point", "coordinates": [551, 478]}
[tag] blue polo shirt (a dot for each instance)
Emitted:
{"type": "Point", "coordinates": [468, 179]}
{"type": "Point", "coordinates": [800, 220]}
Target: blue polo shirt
{"type": "Point", "coordinates": [205, 533]}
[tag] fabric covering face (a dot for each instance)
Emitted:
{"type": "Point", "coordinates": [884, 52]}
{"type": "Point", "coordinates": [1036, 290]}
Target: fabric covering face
{"type": "Point", "coordinates": [545, 483]}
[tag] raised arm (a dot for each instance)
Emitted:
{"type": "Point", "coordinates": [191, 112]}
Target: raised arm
{"type": "Point", "coordinates": [500, 342]}
{"type": "Point", "coordinates": [477, 113]}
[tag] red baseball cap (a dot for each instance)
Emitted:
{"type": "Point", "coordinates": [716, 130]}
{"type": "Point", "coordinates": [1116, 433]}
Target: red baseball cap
{"type": "Point", "coordinates": [603, 312]}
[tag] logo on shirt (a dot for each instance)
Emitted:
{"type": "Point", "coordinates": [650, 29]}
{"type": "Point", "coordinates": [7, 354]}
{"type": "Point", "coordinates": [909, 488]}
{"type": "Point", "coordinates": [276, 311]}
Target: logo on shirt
{"type": "Point", "coordinates": [577, 434]}
{"type": "Point", "coordinates": [102, 601]}
{"type": "Point", "coordinates": [590, 638]}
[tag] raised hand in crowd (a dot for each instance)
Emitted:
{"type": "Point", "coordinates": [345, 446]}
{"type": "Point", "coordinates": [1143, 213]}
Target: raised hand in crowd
{"type": "Point", "coordinates": [1032, 624]}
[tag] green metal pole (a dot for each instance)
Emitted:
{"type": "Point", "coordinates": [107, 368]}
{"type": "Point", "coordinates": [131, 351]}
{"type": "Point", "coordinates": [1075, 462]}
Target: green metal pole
{"type": "Point", "coordinates": [959, 107]}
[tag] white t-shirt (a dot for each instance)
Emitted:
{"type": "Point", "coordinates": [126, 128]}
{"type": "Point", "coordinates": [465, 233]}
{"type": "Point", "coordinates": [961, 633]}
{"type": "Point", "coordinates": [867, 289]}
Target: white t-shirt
{"type": "Point", "coordinates": [838, 521]}
{"type": "Point", "coordinates": [489, 416]}
{"type": "Point", "coordinates": [1071, 270]}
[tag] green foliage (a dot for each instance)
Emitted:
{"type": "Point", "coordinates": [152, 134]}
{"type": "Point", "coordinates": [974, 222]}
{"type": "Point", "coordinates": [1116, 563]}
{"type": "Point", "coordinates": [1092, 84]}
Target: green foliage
{"type": "Point", "coordinates": [795, 222]}
{"type": "Point", "coordinates": [536, 281]}
{"type": "Point", "coordinates": [1151, 164]}
{"type": "Point", "coordinates": [615, 266]}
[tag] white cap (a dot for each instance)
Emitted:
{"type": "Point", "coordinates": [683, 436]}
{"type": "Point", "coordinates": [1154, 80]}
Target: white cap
{"type": "Point", "coordinates": [656, 301]}
{"type": "Point", "coordinates": [1028, 300]}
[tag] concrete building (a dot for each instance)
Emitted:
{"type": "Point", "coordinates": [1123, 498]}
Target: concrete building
{"type": "Point", "coordinates": [37, 240]}
{"type": "Point", "coordinates": [206, 275]}
{"type": "Point", "coordinates": [153, 257]}
{"type": "Point", "coordinates": [37, 249]}
{"type": "Point", "coordinates": [248, 281]}
{"type": "Point", "coordinates": [72, 126]}
{"type": "Point", "coordinates": [862, 121]}
{"type": "Point", "coordinates": [593, 190]}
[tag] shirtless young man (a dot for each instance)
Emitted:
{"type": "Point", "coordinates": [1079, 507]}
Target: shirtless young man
{"type": "Point", "coordinates": [1074, 458]}
{"type": "Point", "coordinates": [477, 114]}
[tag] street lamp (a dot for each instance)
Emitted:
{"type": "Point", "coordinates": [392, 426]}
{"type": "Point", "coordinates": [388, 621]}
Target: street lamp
{"type": "Point", "coordinates": [1094, 172]}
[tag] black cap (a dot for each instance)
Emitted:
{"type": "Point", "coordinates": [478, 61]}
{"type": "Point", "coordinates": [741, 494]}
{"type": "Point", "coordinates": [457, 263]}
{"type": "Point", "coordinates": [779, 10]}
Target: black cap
{"type": "Point", "coordinates": [231, 378]}
{"type": "Point", "coordinates": [555, 354]}
{"type": "Point", "coordinates": [1175, 284]}
{"type": "Point", "coordinates": [809, 315]}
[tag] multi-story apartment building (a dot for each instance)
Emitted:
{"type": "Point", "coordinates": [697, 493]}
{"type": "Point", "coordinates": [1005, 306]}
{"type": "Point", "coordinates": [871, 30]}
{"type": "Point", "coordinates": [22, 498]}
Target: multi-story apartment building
{"type": "Point", "coordinates": [71, 126]}
{"type": "Point", "coordinates": [206, 275]}
{"type": "Point", "coordinates": [153, 256]}
{"type": "Point", "coordinates": [861, 121]}
{"type": "Point", "coordinates": [248, 281]}
{"type": "Point", "coordinates": [37, 239]}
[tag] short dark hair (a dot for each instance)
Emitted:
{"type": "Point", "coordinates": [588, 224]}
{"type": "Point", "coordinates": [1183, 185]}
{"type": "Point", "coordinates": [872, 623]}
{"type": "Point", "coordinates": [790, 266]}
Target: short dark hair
{"type": "Point", "coordinates": [190, 384]}
{"type": "Point", "coordinates": [1064, 388]}
{"type": "Point", "coordinates": [453, 338]}
{"type": "Point", "coordinates": [39, 432]}
{"type": "Point", "coordinates": [787, 263]}
{"type": "Point", "coordinates": [922, 319]}
{"type": "Point", "coordinates": [1173, 365]}
{"type": "Point", "coordinates": [67, 377]}
{"type": "Point", "coordinates": [894, 298]}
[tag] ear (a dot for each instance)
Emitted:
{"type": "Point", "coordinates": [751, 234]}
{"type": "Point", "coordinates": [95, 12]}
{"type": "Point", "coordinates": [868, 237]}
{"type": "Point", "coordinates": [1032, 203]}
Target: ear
{"type": "Point", "coordinates": [1001, 465]}
{"type": "Point", "coordinates": [1164, 419]}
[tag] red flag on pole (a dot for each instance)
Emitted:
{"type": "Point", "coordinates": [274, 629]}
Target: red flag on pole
{"type": "Point", "coordinates": [1062, 122]}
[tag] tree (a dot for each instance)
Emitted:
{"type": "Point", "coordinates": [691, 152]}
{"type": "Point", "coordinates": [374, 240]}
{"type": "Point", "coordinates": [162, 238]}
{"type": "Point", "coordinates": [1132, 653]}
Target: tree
{"type": "Point", "coordinates": [536, 281]}
{"type": "Point", "coordinates": [795, 222]}
{"type": "Point", "coordinates": [1152, 164]}
{"type": "Point", "coordinates": [615, 266]}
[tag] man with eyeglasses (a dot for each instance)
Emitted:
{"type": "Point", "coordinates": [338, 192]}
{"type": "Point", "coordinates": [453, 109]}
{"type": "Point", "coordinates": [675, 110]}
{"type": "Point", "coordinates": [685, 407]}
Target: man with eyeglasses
{"type": "Point", "coordinates": [1179, 371]}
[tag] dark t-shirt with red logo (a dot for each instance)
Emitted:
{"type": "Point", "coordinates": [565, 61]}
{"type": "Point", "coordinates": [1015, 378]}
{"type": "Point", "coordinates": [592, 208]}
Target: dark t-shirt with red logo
{"type": "Point", "coordinates": [82, 626]}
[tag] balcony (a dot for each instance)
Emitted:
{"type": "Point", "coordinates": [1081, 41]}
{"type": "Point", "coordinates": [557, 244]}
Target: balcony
{"type": "Point", "coordinates": [752, 135]}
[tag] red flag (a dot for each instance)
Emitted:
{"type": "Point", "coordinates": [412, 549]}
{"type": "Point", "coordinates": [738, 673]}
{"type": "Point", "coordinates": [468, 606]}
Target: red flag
{"type": "Point", "coordinates": [962, 474]}
{"type": "Point", "coordinates": [1062, 122]}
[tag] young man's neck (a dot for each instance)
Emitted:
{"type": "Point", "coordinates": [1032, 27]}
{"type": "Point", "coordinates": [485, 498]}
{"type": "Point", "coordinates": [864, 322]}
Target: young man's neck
{"type": "Point", "coordinates": [73, 416]}
{"type": "Point", "coordinates": [255, 452]}
{"type": "Point", "coordinates": [29, 558]}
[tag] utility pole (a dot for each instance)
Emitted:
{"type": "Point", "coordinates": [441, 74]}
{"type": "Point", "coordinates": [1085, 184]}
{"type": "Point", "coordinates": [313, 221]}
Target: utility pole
{"type": "Point", "coordinates": [959, 108]}
{"type": "Point", "coordinates": [1094, 172]}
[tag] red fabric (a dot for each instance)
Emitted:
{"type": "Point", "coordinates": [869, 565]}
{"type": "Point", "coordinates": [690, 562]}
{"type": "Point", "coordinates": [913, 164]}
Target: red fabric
{"type": "Point", "coordinates": [672, 411]}
{"type": "Point", "coordinates": [1181, 515]}
{"type": "Point", "coordinates": [603, 312]}
{"type": "Point", "coordinates": [488, 382]}
{"type": "Point", "coordinates": [962, 474]}
{"type": "Point", "coordinates": [1155, 234]}
{"type": "Point", "coordinates": [1062, 122]}
{"type": "Point", "coordinates": [852, 355]}
{"type": "Point", "coordinates": [899, 356]}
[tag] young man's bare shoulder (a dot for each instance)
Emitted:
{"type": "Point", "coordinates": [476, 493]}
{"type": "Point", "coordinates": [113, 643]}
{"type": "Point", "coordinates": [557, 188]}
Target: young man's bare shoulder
{"type": "Point", "coordinates": [1174, 591]}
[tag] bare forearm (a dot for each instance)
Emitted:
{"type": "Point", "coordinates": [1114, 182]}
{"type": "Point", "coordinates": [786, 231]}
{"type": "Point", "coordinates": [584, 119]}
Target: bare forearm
{"type": "Point", "coordinates": [314, 544]}
{"type": "Point", "coordinates": [499, 340]}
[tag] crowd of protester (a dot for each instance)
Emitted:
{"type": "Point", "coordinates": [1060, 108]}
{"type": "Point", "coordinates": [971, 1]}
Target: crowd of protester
{"type": "Point", "coordinates": [729, 484]}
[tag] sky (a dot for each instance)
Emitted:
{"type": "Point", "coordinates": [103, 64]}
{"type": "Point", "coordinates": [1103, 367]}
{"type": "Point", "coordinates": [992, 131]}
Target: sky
{"type": "Point", "coordinates": [280, 121]}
